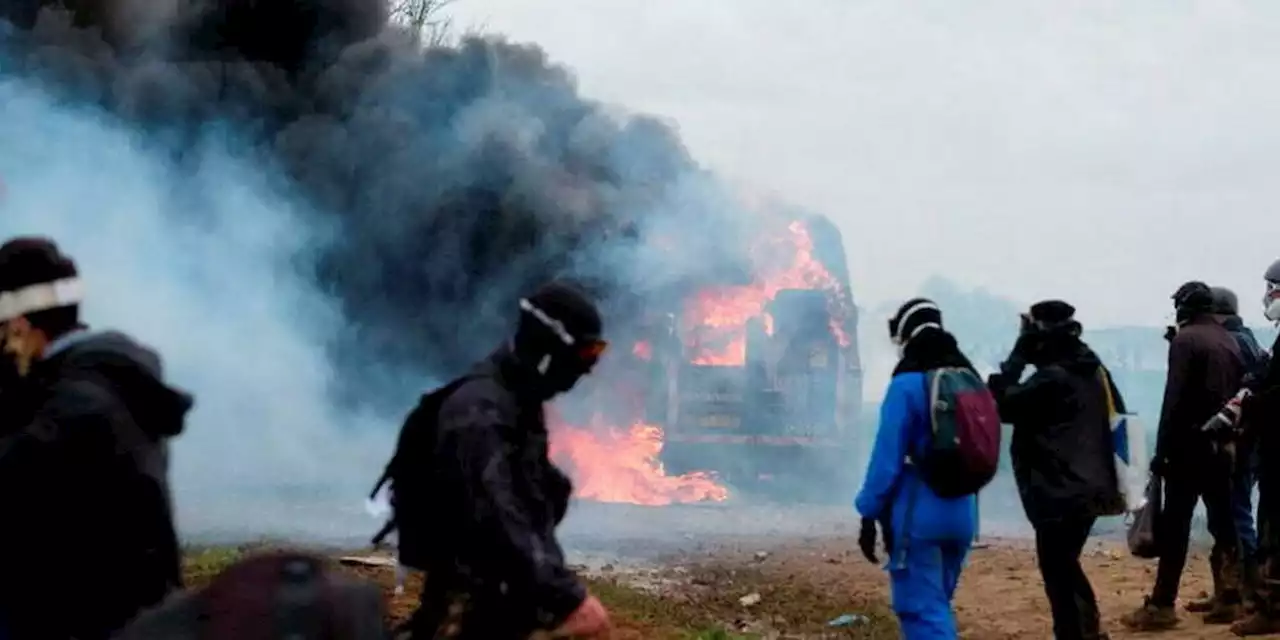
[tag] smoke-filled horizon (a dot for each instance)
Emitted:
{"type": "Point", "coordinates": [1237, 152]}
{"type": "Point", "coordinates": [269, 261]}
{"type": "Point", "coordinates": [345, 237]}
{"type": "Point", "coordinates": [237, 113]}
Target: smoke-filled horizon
{"type": "Point", "coordinates": [314, 219]}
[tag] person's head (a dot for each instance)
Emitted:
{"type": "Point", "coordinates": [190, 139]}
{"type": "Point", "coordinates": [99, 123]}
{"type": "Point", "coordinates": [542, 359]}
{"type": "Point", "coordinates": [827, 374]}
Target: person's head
{"type": "Point", "coordinates": [559, 337]}
{"type": "Point", "coordinates": [914, 317]}
{"type": "Point", "coordinates": [1271, 299]}
{"type": "Point", "coordinates": [40, 295]}
{"type": "Point", "coordinates": [923, 342]}
{"type": "Point", "coordinates": [1225, 302]}
{"type": "Point", "coordinates": [1049, 327]}
{"type": "Point", "coordinates": [1191, 301]}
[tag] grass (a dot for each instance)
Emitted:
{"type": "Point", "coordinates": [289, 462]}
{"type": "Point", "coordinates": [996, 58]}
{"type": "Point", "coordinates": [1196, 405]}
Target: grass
{"type": "Point", "coordinates": [700, 603]}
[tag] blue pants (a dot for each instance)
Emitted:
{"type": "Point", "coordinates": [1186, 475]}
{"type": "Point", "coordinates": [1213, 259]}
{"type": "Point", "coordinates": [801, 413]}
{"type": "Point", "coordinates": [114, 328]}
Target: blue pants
{"type": "Point", "coordinates": [923, 578]}
{"type": "Point", "coordinates": [1246, 477]}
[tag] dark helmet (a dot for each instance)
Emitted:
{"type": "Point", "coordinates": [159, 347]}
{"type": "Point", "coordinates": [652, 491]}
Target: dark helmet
{"type": "Point", "coordinates": [914, 316]}
{"type": "Point", "coordinates": [1193, 297]}
{"type": "Point", "coordinates": [560, 334]}
{"type": "Point", "coordinates": [1273, 273]}
{"type": "Point", "coordinates": [1225, 301]}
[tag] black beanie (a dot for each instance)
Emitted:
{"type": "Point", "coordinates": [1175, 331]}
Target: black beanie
{"type": "Point", "coordinates": [27, 262]}
{"type": "Point", "coordinates": [912, 316]}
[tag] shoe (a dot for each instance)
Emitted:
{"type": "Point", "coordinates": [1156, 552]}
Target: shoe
{"type": "Point", "coordinates": [1255, 624]}
{"type": "Point", "coordinates": [1223, 613]}
{"type": "Point", "coordinates": [1204, 604]}
{"type": "Point", "coordinates": [1150, 617]}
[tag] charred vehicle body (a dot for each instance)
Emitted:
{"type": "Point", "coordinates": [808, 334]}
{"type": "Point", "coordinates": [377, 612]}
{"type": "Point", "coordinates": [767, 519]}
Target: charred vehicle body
{"type": "Point", "coordinates": [775, 410]}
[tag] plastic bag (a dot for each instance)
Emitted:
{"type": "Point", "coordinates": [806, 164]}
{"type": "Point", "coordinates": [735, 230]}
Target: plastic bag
{"type": "Point", "coordinates": [1143, 542]}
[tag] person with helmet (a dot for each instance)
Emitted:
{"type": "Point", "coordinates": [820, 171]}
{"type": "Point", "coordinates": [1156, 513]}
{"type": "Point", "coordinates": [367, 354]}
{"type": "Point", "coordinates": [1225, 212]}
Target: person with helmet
{"type": "Point", "coordinates": [1259, 415]}
{"type": "Point", "coordinates": [1226, 311]}
{"type": "Point", "coordinates": [482, 522]}
{"type": "Point", "coordinates": [1205, 370]}
{"type": "Point", "coordinates": [925, 535]}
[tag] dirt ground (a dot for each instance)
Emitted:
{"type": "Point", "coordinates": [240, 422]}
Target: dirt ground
{"type": "Point", "coordinates": [1000, 595]}
{"type": "Point", "coordinates": [792, 589]}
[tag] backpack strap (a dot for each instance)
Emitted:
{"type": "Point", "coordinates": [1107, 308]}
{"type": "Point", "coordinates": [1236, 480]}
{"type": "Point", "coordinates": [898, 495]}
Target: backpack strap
{"type": "Point", "coordinates": [1106, 390]}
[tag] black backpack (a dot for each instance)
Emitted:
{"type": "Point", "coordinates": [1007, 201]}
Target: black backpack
{"type": "Point", "coordinates": [410, 476]}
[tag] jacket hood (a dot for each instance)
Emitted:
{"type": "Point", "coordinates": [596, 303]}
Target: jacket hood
{"type": "Point", "coordinates": [1233, 323]}
{"type": "Point", "coordinates": [135, 373]}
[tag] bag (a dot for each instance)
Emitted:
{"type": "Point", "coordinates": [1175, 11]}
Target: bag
{"type": "Point", "coordinates": [964, 450]}
{"type": "Point", "coordinates": [408, 477]}
{"type": "Point", "coordinates": [1129, 450]}
{"type": "Point", "coordinates": [1143, 542]}
{"type": "Point", "coordinates": [269, 597]}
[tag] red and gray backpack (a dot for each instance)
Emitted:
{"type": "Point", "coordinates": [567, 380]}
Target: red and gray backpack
{"type": "Point", "coordinates": [963, 451]}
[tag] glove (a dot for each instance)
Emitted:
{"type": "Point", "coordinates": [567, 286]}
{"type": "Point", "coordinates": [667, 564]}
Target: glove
{"type": "Point", "coordinates": [1170, 332]}
{"type": "Point", "coordinates": [867, 540]}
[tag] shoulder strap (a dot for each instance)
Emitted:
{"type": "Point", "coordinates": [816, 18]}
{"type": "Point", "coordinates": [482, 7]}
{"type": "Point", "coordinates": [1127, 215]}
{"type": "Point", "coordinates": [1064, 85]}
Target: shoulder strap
{"type": "Point", "coordinates": [1106, 390]}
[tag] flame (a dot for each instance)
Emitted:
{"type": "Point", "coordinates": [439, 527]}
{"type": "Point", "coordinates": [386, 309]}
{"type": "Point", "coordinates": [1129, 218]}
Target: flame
{"type": "Point", "coordinates": [613, 464]}
{"type": "Point", "coordinates": [642, 350]}
{"type": "Point", "coordinates": [716, 318]}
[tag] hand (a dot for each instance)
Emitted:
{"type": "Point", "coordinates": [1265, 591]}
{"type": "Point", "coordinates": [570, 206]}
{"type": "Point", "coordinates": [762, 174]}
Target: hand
{"type": "Point", "coordinates": [1159, 465]}
{"type": "Point", "coordinates": [867, 540]}
{"type": "Point", "coordinates": [1023, 347]}
{"type": "Point", "coordinates": [589, 620]}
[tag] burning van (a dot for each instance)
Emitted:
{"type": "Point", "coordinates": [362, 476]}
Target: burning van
{"type": "Point", "coordinates": [740, 386]}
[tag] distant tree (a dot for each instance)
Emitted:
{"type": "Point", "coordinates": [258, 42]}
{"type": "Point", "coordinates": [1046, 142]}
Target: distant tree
{"type": "Point", "coordinates": [426, 18]}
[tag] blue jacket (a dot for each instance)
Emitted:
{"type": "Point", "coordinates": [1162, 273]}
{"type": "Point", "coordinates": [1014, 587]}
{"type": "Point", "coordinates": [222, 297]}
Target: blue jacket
{"type": "Point", "coordinates": [892, 484]}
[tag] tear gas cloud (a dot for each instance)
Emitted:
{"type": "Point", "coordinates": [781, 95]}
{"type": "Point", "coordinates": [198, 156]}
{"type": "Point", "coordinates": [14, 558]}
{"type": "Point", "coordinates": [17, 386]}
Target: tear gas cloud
{"type": "Point", "coordinates": [314, 219]}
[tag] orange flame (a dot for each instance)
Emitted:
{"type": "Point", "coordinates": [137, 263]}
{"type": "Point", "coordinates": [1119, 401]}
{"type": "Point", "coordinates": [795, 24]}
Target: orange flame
{"type": "Point", "coordinates": [611, 464]}
{"type": "Point", "coordinates": [716, 318]}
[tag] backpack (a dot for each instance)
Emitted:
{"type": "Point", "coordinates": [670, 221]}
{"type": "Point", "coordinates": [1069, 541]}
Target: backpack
{"type": "Point", "coordinates": [270, 596]}
{"type": "Point", "coordinates": [963, 451]}
{"type": "Point", "coordinates": [409, 476]}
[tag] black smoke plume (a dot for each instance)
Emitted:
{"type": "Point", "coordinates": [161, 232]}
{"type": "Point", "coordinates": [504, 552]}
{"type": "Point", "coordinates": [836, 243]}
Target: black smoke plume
{"type": "Point", "coordinates": [452, 178]}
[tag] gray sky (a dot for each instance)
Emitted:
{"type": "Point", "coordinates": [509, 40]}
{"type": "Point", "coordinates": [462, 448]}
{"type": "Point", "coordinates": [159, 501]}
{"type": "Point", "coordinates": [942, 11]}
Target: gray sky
{"type": "Point", "coordinates": [1102, 152]}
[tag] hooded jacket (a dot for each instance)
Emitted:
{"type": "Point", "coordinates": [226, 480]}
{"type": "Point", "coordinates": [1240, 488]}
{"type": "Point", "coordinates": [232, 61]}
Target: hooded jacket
{"type": "Point", "coordinates": [1061, 449]}
{"type": "Point", "coordinates": [504, 498]}
{"type": "Point", "coordinates": [88, 538]}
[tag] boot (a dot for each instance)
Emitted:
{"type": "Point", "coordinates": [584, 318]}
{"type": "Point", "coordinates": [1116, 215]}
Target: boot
{"type": "Point", "coordinates": [1209, 603]}
{"type": "Point", "coordinates": [1255, 624]}
{"type": "Point", "coordinates": [1223, 612]}
{"type": "Point", "coordinates": [1204, 604]}
{"type": "Point", "coordinates": [1150, 617]}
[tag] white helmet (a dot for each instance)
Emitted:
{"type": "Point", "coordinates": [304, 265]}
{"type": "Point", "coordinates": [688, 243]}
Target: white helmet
{"type": "Point", "coordinates": [1271, 301]}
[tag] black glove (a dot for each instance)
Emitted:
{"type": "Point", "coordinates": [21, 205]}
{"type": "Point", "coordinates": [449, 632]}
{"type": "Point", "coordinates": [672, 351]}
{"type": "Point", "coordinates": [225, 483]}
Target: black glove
{"type": "Point", "coordinates": [1170, 332]}
{"type": "Point", "coordinates": [867, 540]}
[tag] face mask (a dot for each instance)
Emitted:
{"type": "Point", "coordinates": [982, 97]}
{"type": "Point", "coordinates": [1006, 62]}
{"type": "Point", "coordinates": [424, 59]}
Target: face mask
{"type": "Point", "coordinates": [1271, 302]}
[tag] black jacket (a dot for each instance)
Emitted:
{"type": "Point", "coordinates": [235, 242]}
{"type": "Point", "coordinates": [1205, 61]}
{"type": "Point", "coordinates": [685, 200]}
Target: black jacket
{"type": "Point", "coordinates": [1061, 448]}
{"type": "Point", "coordinates": [88, 538]}
{"type": "Point", "coordinates": [1206, 370]}
{"type": "Point", "coordinates": [506, 498]}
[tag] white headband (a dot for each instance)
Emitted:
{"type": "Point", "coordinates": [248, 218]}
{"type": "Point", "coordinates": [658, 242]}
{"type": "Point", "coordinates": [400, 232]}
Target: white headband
{"type": "Point", "coordinates": [554, 325]}
{"type": "Point", "coordinates": [919, 306]}
{"type": "Point", "coordinates": [41, 297]}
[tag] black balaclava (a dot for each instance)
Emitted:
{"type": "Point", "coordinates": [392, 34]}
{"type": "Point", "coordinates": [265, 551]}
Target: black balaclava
{"type": "Point", "coordinates": [917, 330]}
{"type": "Point", "coordinates": [558, 339]}
{"type": "Point", "coordinates": [1049, 332]}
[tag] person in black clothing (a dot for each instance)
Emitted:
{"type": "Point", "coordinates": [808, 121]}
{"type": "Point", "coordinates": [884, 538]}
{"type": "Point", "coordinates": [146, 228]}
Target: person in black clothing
{"type": "Point", "coordinates": [1205, 372]}
{"type": "Point", "coordinates": [88, 538]}
{"type": "Point", "coordinates": [1061, 453]}
{"type": "Point", "coordinates": [1260, 415]}
{"type": "Point", "coordinates": [1243, 454]}
{"type": "Point", "coordinates": [499, 572]}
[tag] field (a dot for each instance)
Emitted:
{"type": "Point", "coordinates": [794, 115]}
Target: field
{"type": "Point", "coordinates": [794, 588]}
